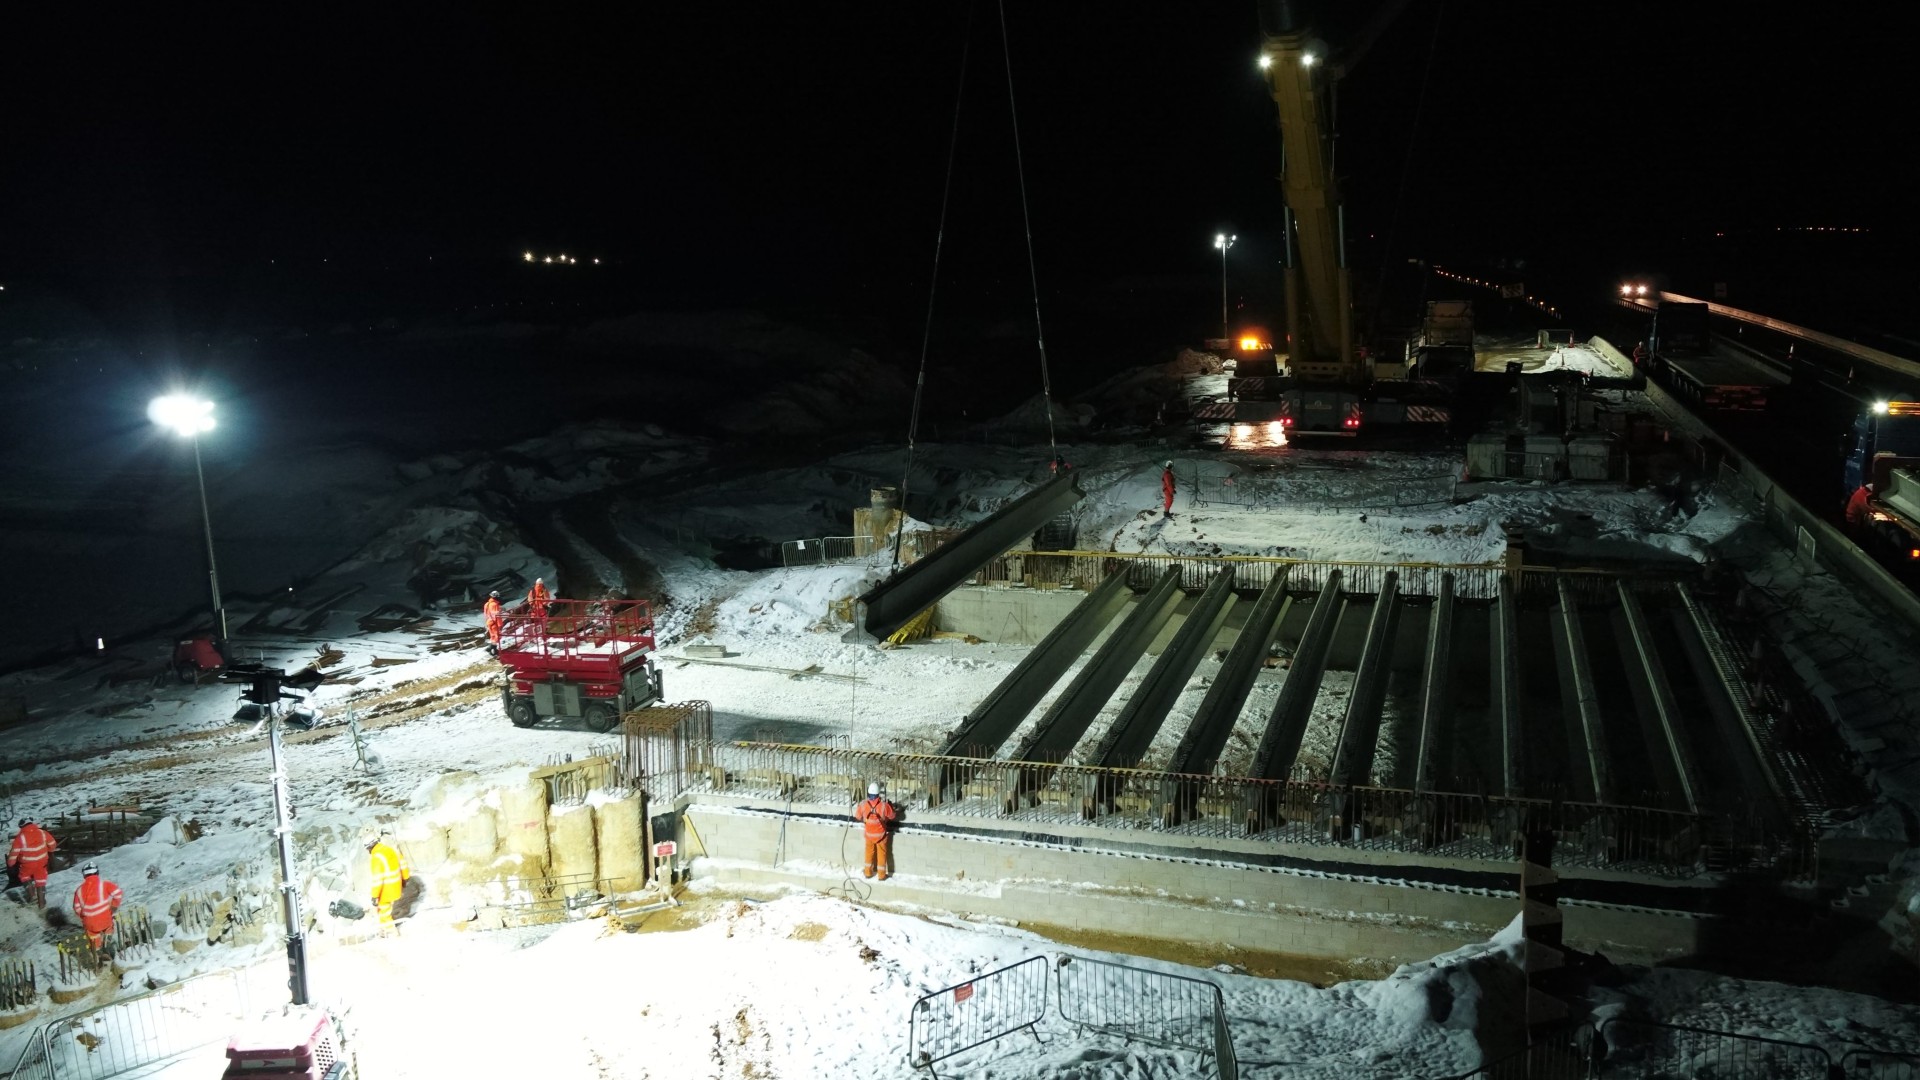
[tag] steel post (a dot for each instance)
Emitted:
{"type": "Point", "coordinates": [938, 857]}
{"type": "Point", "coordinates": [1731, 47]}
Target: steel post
{"type": "Point", "coordinates": [213, 570]}
{"type": "Point", "coordinates": [289, 883]}
{"type": "Point", "coordinates": [1133, 731]}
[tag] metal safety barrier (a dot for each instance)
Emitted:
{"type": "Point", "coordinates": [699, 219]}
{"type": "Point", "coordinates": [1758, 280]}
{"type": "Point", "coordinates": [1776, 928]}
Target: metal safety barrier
{"type": "Point", "coordinates": [1879, 1065]}
{"type": "Point", "coordinates": [1564, 1054]}
{"type": "Point", "coordinates": [138, 1031]}
{"type": "Point", "coordinates": [1149, 1006]}
{"type": "Point", "coordinates": [958, 1018]}
{"type": "Point", "coordinates": [1295, 812]}
{"type": "Point", "coordinates": [1627, 1048]}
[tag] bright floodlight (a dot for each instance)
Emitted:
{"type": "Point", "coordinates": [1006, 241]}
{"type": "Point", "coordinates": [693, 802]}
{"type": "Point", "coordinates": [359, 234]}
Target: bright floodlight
{"type": "Point", "coordinates": [1265, 61]}
{"type": "Point", "coordinates": [1306, 59]}
{"type": "Point", "coordinates": [1880, 408]}
{"type": "Point", "coordinates": [182, 414]}
{"type": "Point", "coordinates": [1223, 241]}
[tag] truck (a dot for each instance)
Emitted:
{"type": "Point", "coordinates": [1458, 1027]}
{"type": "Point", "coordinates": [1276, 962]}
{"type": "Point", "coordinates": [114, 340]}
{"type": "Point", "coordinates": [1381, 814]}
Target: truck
{"type": "Point", "coordinates": [1882, 479]}
{"type": "Point", "coordinates": [1682, 347]}
{"type": "Point", "coordinates": [585, 659]}
{"type": "Point", "coordinates": [1443, 350]}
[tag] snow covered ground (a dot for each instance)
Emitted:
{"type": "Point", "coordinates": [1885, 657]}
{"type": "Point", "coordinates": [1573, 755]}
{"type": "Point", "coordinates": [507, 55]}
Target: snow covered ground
{"type": "Point", "coordinates": [799, 985]}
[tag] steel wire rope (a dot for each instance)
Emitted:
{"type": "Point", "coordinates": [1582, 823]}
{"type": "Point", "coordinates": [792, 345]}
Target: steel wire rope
{"type": "Point", "coordinates": [933, 285]}
{"type": "Point", "coordinates": [1026, 219]}
{"type": "Point", "coordinates": [1406, 170]}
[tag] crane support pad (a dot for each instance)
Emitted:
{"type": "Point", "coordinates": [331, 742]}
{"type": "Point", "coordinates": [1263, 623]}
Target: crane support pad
{"type": "Point", "coordinates": [888, 606]}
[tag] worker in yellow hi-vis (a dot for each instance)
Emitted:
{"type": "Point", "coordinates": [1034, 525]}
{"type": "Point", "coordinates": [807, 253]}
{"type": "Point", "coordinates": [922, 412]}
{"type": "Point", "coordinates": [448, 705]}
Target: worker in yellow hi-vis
{"type": "Point", "coordinates": [390, 874]}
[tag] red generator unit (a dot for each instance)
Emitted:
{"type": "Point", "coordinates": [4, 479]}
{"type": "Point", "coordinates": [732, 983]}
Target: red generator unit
{"type": "Point", "coordinates": [303, 1045]}
{"type": "Point", "coordinates": [591, 659]}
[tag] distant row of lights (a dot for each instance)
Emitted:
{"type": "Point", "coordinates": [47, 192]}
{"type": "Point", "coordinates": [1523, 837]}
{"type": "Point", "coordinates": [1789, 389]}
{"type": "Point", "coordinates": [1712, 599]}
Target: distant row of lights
{"type": "Point", "coordinates": [528, 256]}
{"type": "Point", "coordinates": [1533, 300]}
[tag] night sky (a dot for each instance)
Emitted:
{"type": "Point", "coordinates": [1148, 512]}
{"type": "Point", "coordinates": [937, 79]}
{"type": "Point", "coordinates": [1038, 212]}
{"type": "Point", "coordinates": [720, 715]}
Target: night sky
{"type": "Point", "coordinates": [739, 154]}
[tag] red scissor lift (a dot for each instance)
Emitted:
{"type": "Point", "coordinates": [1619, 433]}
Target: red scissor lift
{"type": "Point", "coordinates": [587, 658]}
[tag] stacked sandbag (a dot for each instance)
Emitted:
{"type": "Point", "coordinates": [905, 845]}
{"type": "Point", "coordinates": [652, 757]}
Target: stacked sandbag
{"type": "Point", "coordinates": [621, 858]}
{"type": "Point", "coordinates": [570, 847]}
{"type": "Point", "coordinates": [523, 825]}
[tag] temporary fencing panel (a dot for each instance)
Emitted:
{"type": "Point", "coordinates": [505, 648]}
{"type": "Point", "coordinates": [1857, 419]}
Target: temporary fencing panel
{"type": "Point", "coordinates": [1148, 1006]}
{"type": "Point", "coordinates": [1640, 1048]}
{"type": "Point", "coordinates": [974, 1013]}
{"type": "Point", "coordinates": [137, 1032]}
{"type": "Point", "coordinates": [1879, 1065]}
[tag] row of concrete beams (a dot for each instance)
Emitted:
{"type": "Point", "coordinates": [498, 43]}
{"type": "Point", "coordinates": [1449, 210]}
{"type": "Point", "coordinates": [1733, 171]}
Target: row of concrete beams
{"type": "Point", "coordinates": [1360, 728]}
{"type": "Point", "coordinates": [1199, 749]}
{"type": "Point", "coordinates": [1718, 677]}
{"type": "Point", "coordinates": [1287, 727]}
{"type": "Point", "coordinates": [995, 719]}
{"type": "Point", "coordinates": [1073, 712]}
{"type": "Point", "coordinates": [1586, 725]}
{"type": "Point", "coordinates": [1436, 689]}
{"type": "Point", "coordinates": [1647, 676]}
{"type": "Point", "coordinates": [1506, 691]}
{"type": "Point", "coordinates": [1127, 740]}
{"type": "Point", "coordinates": [889, 605]}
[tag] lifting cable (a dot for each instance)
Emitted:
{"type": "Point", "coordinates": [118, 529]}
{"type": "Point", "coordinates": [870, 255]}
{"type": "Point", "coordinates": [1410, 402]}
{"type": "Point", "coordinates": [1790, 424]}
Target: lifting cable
{"type": "Point", "coordinates": [1406, 170]}
{"type": "Point", "coordinates": [933, 283]}
{"type": "Point", "coordinates": [1026, 218]}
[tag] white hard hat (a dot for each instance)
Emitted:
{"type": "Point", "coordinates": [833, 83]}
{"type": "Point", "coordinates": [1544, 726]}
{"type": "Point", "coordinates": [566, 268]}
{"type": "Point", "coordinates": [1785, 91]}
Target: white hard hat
{"type": "Point", "coordinates": [89, 870]}
{"type": "Point", "coordinates": [873, 787]}
{"type": "Point", "coordinates": [1169, 464]}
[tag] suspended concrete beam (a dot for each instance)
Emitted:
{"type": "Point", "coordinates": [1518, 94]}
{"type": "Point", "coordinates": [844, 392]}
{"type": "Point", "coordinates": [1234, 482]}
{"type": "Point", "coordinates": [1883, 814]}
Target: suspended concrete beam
{"type": "Point", "coordinates": [1436, 696]}
{"type": "Point", "coordinates": [1126, 742]}
{"type": "Point", "coordinates": [1659, 695]}
{"type": "Point", "coordinates": [1074, 711]}
{"type": "Point", "coordinates": [1200, 748]}
{"type": "Point", "coordinates": [1507, 705]}
{"type": "Point", "coordinates": [1280, 744]}
{"type": "Point", "coordinates": [1583, 702]}
{"type": "Point", "coordinates": [889, 605]}
{"type": "Point", "coordinates": [1360, 728]}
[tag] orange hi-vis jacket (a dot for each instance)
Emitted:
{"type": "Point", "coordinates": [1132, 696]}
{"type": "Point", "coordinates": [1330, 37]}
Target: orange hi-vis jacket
{"type": "Point", "coordinates": [31, 847]}
{"type": "Point", "coordinates": [494, 617]}
{"type": "Point", "coordinates": [95, 901]}
{"type": "Point", "coordinates": [538, 596]}
{"type": "Point", "coordinates": [877, 815]}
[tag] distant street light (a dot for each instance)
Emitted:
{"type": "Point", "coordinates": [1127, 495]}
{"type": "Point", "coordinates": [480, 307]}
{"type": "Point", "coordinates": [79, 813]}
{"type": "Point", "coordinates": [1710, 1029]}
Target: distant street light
{"type": "Point", "coordinates": [1223, 242]}
{"type": "Point", "coordinates": [190, 417]}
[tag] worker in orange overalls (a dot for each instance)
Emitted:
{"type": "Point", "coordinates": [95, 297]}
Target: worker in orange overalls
{"type": "Point", "coordinates": [878, 818]}
{"type": "Point", "coordinates": [32, 847]}
{"type": "Point", "coordinates": [390, 874]}
{"type": "Point", "coordinates": [94, 902]}
{"type": "Point", "coordinates": [538, 597]}
{"type": "Point", "coordinates": [1166, 490]}
{"type": "Point", "coordinates": [494, 618]}
{"type": "Point", "coordinates": [1640, 355]}
{"type": "Point", "coordinates": [1858, 509]}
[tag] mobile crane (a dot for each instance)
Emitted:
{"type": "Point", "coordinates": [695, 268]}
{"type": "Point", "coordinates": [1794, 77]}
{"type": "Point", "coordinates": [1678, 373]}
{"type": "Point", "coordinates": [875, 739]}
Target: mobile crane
{"type": "Point", "coordinates": [1328, 387]}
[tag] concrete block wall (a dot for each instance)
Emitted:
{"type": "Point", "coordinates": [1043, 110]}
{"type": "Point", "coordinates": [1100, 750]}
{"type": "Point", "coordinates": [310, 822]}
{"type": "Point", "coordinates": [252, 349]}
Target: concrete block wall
{"type": "Point", "coordinates": [1160, 886]}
